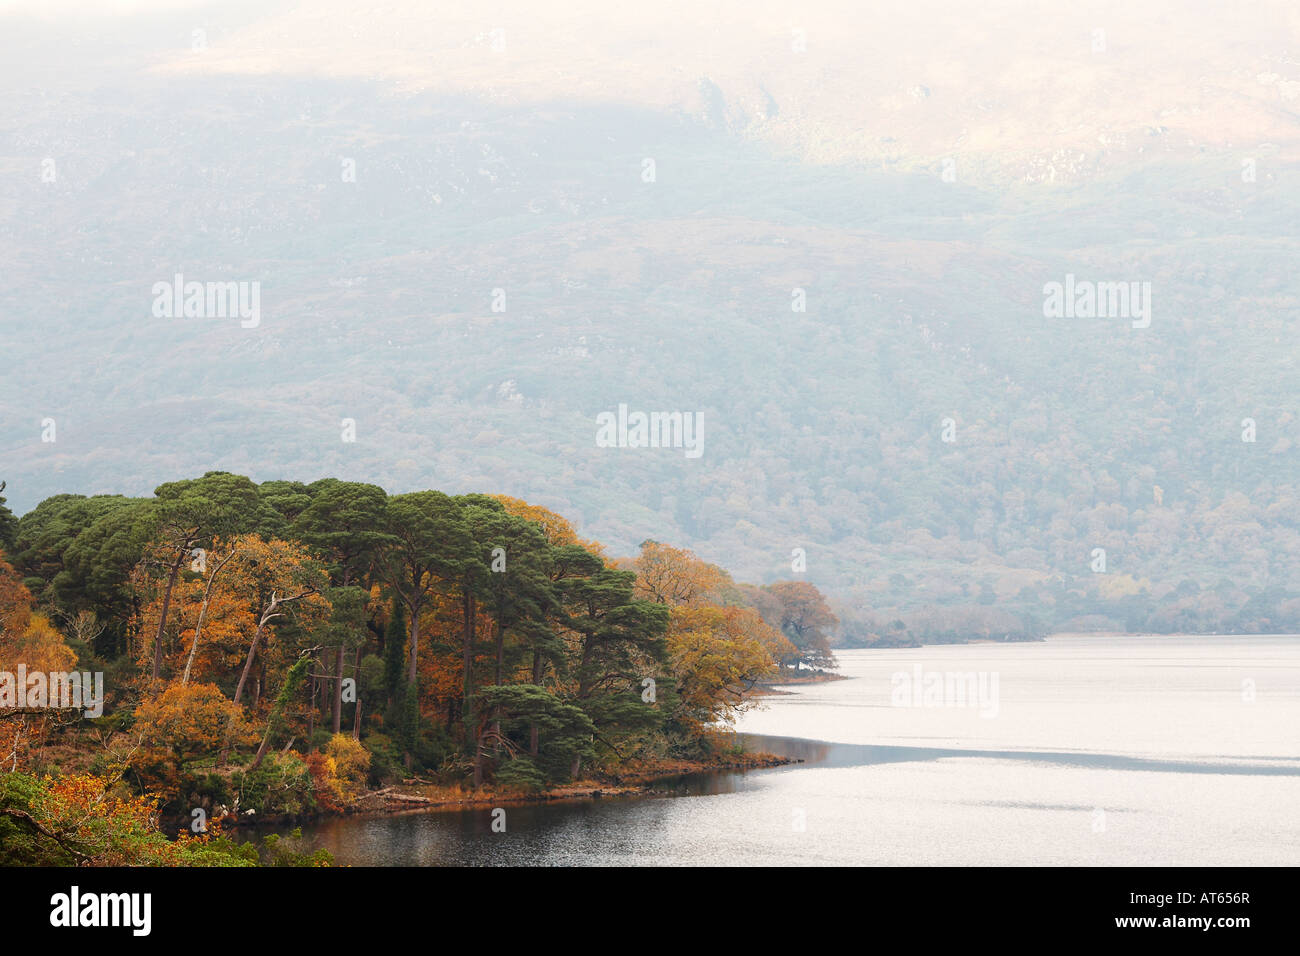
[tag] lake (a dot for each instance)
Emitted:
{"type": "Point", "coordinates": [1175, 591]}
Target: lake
{"type": "Point", "coordinates": [1138, 750]}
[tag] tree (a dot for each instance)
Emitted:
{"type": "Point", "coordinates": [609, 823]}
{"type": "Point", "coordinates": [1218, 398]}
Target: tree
{"type": "Point", "coordinates": [616, 641]}
{"type": "Point", "coordinates": [46, 534]}
{"type": "Point", "coordinates": [278, 721]}
{"type": "Point", "coordinates": [430, 546]}
{"type": "Point", "coordinates": [280, 578]}
{"type": "Point", "coordinates": [213, 567]}
{"type": "Point", "coordinates": [716, 655]}
{"type": "Point", "coordinates": [191, 513]}
{"type": "Point", "coordinates": [566, 730]}
{"type": "Point", "coordinates": [675, 576]}
{"type": "Point", "coordinates": [344, 521]}
{"type": "Point", "coordinates": [16, 601]}
{"type": "Point", "coordinates": [395, 636]}
{"type": "Point", "coordinates": [8, 524]}
{"type": "Point", "coordinates": [186, 722]}
{"type": "Point", "coordinates": [517, 592]}
{"type": "Point", "coordinates": [805, 619]}
{"type": "Point", "coordinates": [345, 632]}
{"type": "Point", "coordinates": [98, 564]}
{"type": "Point", "coordinates": [38, 645]}
{"type": "Point", "coordinates": [558, 529]}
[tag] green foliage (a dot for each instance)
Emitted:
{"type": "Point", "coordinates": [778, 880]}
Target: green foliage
{"type": "Point", "coordinates": [292, 850]}
{"type": "Point", "coordinates": [281, 786]}
{"type": "Point", "coordinates": [8, 527]}
{"type": "Point", "coordinates": [565, 729]}
{"type": "Point", "coordinates": [520, 773]}
{"type": "Point", "coordinates": [21, 845]}
{"type": "Point", "coordinates": [395, 652]}
{"type": "Point", "coordinates": [385, 759]}
{"type": "Point", "coordinates": [372, 679]}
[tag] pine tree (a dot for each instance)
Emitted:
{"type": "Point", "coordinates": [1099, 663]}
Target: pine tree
{"type": "Point", "coordinates": [8, 525]}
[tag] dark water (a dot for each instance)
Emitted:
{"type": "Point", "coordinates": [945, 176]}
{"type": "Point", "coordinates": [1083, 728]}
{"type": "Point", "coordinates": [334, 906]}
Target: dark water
{"type": "Point", "coordinates": [1138, 750]}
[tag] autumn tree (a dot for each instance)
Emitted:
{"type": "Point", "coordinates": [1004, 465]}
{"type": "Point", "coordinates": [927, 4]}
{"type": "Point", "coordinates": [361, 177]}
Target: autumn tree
{"type": "Point", "coordinates": [717, 655]}
{"type": "Point", "coordinates": [188, 514]}
{"type": "Point", "coordinates": [184, 723]}
{"type": "Point", "coordinates": [675, 576]}
{"type": "Point", "coordinates": [15, 601]}
{"type": "Point", "coordinates": [558, 529]}
{"type": "Point", "coordinates": [807, 620]}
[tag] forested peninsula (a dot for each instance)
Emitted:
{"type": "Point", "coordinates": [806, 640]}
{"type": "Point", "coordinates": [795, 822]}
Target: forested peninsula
{"type": "Point", "coordinates": [230, 651]}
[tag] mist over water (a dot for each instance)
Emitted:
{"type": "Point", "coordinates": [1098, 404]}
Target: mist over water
{"type": "Point", "coordinates": [1105, 751]}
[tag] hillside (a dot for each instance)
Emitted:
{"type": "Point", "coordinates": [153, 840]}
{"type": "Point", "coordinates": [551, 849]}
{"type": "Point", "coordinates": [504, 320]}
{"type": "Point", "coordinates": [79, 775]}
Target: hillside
{"type": "Point", "coordinates": [823, 429]}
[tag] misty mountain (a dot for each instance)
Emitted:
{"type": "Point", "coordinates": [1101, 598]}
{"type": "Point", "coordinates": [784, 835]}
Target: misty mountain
{"type": "Point", "coordinates": [473, 270]}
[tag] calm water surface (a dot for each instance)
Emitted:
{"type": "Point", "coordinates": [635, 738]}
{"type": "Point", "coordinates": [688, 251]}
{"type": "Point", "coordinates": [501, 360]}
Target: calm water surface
{"type": "Point", "coordinates": [1102, 750]}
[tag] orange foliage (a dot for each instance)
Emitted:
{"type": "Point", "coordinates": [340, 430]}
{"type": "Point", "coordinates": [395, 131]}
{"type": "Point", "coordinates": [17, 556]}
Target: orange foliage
{"type": "Point", "coordinates": [675, 576]}
{"type": "Point", "coordinates": [556, 527]}
{"type": "Point", "coordinates": [186, 722]}
{"type": "Point", "coordinates": [15, 600]}
{"type": "Point", "coordinates": [235, 600]}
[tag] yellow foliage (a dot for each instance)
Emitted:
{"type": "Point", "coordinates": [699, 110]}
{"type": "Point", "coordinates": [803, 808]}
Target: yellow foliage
{"type": "Point", "coordinates": [716, 655]}
{"type": "Point", "coordinates": [675, 576]}
{"type": "Point", "coordinates": [1114, 586]}
{"type": "Point", "coordinates": [188, 721]}
{"type": "Point", "coordinates": [556, 527]}
{"type": "Point", "coordinates": [39, 646]}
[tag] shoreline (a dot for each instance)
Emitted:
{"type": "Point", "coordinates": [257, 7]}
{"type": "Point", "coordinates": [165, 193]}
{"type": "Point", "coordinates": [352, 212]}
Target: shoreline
{"type": "Point", "coordinates": [772, 688]}
{"type": "Point", "coordinates": [409, 798]}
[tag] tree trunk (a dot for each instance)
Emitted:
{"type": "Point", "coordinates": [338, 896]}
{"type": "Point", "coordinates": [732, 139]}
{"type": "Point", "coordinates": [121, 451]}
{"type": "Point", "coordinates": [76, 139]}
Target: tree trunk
{"type": "Point", "coordinates": [584, 670]}
{"type": "Point", "coordinates": [203, 613]}
{"type": "Point", "coordinates": [338, 690]}
{"type": "Point", "coordinates": [261, 751]}
{"type": "Point", "coordinates": [501, 660]}
{"type": "Point", "coordinates": [162, 618]}
{"type": "Point", "coordinates": [356, 710]}
{"type": "Point", "coordinates": [467, 604]}
{"type": "Point", "coordinates": [478, 759]}
{"type": "Point", "coordinates": [537, 679]}
{"type": "Point", "coordinates": [311, 710]}
{"type": "Point", "coordinates": [413, 650]}
{"type": "Point", "coordinates": [248, 662]}
{"type": "Point", "coordinates": [501, 651]}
